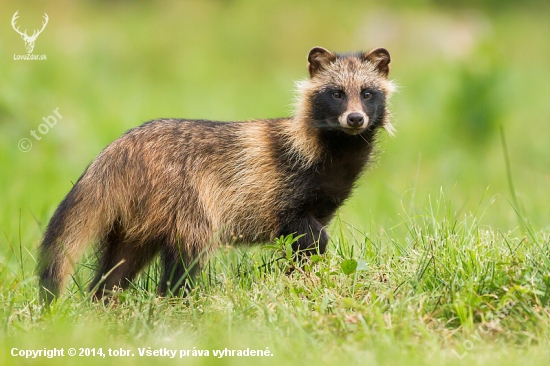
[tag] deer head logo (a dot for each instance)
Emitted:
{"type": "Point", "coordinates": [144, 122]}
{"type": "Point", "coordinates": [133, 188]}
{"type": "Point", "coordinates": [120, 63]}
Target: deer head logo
{"type": "Point", "coordinates": [29, 40]}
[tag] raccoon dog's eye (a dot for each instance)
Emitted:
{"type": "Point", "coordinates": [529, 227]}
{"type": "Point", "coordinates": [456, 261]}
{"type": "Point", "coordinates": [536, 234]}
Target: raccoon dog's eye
{"type": "Point", "coordinates": [367, 95]}
{"type": "Point", "coordinates": [337, 95]}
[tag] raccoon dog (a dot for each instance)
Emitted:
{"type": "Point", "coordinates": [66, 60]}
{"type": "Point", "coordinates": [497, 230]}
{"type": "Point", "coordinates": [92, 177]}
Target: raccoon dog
{"type": "Point", "coordinates": [180, 188]}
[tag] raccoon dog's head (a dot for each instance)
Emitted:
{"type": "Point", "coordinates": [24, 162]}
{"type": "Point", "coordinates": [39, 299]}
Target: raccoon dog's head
{"type": "Point", "coordinates": [347, 92]}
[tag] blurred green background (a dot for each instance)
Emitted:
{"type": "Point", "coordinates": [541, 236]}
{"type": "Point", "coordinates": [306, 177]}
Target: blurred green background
{"type": "Point", "coordinates": [464, 71]}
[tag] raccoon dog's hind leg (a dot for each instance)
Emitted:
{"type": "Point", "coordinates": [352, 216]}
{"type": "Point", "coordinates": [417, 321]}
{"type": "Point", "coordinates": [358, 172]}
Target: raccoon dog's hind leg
{"type": "Point", "coordinates": [121, 260]}
{"type": "Point", "coordinates": [179, 271]}
{"type": "Point", "coordinates": [182, 261]}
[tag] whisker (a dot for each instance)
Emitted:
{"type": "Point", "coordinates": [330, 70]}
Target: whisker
{"type": "Point", "coordinates": [363, 137]}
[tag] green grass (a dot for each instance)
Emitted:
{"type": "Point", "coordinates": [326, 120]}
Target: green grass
{"type": "Point", "coordinates": [440, 257]}
{"type": "Point", "coordinates": [451, 290]}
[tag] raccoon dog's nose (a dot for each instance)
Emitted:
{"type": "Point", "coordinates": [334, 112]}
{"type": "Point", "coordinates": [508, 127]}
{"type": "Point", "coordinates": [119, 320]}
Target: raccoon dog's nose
{"type": "Point", "coordinates": [355, 119]}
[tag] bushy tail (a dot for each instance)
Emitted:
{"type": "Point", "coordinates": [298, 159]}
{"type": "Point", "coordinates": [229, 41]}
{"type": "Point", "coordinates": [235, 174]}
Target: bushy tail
{"type": "Point", "coordinates": [78, 221]}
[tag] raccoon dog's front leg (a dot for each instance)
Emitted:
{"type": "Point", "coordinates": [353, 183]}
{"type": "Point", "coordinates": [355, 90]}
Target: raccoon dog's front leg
{"type": "Point", "coordinates": [314, 236]}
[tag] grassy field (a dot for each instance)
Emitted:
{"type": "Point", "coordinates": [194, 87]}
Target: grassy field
{"type": "Point", "coordinates": [440, 257]}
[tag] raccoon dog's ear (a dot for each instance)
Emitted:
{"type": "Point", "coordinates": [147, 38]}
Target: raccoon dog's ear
{"type": "Point", "coordinates": [380, 57]}
{"type": "Point", "coordinates": [318, 59]}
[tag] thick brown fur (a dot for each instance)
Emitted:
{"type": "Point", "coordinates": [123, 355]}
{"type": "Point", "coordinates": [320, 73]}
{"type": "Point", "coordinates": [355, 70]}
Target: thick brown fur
{"type": "Point", "coordinates": [182, 187]}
